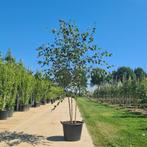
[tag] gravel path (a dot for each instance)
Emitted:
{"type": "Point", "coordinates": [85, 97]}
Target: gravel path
{"type": "Point", "coordinates": [40, 127]}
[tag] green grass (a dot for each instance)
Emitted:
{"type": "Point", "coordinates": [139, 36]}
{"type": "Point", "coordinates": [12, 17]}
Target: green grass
{"type": "Point", "coordinates": [111, 127]}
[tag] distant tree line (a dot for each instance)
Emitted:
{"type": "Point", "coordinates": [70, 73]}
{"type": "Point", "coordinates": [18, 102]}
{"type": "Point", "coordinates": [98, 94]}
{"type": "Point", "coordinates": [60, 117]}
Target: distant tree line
{"type": "Point", "coordinates": [124, 86]}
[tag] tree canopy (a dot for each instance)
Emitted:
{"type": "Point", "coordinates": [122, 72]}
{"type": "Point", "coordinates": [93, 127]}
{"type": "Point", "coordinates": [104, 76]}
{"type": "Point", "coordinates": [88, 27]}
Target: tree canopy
{"type": "Point", "coordinates": [72, 50]}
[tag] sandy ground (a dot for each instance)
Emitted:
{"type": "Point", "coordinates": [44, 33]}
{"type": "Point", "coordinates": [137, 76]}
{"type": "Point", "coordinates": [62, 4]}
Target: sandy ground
{"type": "Point", "coordinates": [40, 127]}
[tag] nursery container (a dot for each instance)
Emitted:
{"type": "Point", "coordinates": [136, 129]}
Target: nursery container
{"type": "Point", "coordinates": [72, 131]}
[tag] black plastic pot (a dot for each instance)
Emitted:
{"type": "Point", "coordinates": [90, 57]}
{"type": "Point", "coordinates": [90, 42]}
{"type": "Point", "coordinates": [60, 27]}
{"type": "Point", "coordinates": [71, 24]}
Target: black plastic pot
{"type": "Point", "coordinates": [28, 107]}
{"type": "Point", "coordinates": [43, 101]}
{"type": "Point", "coordinates": [52, 101]}
{"type": "Point", "coordinates": [47, 100]}
{"type": "Point", "coordinates": [23, 107]}
{"type": "Point", "coordinates": [3, 115]}
{"type": "Point", "coordinates": [10, 113]}
{"type": "Point", "coordinates": [36, 104]}
{"type": "Point", "coordinates": [72, 131]}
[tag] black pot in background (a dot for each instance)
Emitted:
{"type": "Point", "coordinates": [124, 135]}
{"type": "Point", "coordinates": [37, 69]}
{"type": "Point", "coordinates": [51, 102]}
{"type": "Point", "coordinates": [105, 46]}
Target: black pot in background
{"type": "Point", "coordinates": [52, 101]}
{"type": "Point", "coordinates": [47, 100]}
{"type": "Point", "coordinates": [36, 104]}
{"type": "Point", "coordinates": [43, 101]}
{"type": "Point", "coordinates": [72, 131]}
{"type": "Point", "coordinates": [28, 107]}
{"type": "Point", "coordinates": [3, 115]}
{"type": "Point", "coordinates": [10, 112]}
{"type": "Point", "coordinates": [23, 107]}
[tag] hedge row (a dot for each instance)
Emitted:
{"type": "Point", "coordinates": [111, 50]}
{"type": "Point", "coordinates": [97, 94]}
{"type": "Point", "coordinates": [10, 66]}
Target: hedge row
{"type": "Point", "coordinates": [19, 86]}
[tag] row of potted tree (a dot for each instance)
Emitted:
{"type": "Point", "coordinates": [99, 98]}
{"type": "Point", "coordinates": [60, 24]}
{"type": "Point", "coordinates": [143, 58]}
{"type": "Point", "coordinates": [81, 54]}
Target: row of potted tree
{"type": "Point", "coordinates": [20, 88]}
{"type": "Point", "coordinates": [127, 93]}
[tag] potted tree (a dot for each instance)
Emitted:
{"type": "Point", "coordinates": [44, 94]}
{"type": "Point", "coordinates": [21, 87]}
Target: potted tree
{"type": "Point", "coordinates": [13, 91]}
{"type": "Point", "coordinates": [38, 90]}
{"type": "Point", "coordinates": [25, 87]}
{"type": "Point", "coordinates": [36, 93]}
{"type": "Point", "coordinates": [67, 59]}
{"type": "Point", "coordinates": [6, 84]}
{"type": "Point", "coordinates": [46, 89]}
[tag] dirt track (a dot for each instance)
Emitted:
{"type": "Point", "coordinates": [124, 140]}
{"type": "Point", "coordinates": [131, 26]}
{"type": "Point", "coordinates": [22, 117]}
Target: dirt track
{"type": "Point", "coordinates": [40, 127]}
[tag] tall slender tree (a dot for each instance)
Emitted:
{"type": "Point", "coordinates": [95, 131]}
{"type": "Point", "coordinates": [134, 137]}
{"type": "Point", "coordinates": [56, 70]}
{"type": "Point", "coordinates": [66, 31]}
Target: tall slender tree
{"type": "Point", "coordinates": [71, 50]}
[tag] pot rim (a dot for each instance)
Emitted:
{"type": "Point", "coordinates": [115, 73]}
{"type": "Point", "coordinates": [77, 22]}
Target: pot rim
{"type": "Point", "coordinates": [74, 123]}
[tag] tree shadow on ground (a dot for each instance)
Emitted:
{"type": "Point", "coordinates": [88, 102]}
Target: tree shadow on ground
{"type": "Point", "coordinates": [15, 138]}
{"type": "Point", "coordinates": [55, 138]}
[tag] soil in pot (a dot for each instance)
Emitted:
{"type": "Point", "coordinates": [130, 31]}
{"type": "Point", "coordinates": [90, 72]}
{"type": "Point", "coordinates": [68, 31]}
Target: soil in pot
{"type": "Point", "coordinates": [3, 115]}
{"type": "Point", "coordinates": [72, 131]}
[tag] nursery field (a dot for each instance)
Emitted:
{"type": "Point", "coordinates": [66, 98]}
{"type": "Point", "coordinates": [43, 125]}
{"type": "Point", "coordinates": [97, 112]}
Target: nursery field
{"type": "Point", "coordinates": [113, 127]}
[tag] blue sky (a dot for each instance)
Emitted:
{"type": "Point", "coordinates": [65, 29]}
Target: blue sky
{"type": "Point", "coordinates": [121, 27]}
